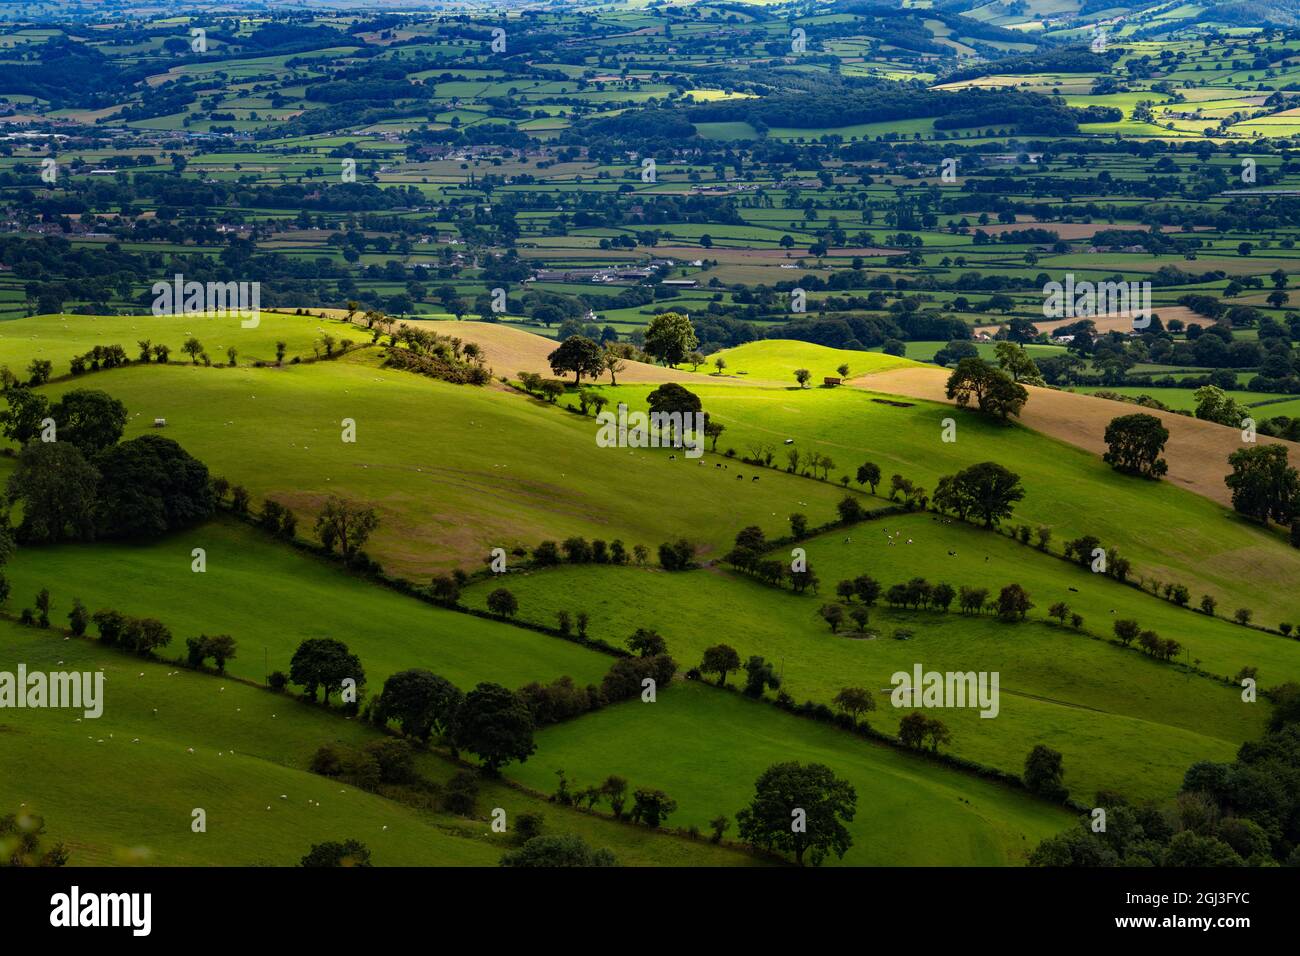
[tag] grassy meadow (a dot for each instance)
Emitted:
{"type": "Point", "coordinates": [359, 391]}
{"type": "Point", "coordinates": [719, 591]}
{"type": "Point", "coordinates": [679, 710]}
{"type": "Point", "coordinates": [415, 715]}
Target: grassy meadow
{"type": "Point", "coordinates": [250, 746]}
{"type": "Point", "coordinates": [909, 812]}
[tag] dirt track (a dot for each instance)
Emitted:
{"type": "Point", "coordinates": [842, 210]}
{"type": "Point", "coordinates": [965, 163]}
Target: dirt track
{"type": "Point", "coordinates": [1197, 451]}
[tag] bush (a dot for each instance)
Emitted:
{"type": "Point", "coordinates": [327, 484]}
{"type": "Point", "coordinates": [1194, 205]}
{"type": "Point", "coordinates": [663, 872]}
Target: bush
{"type": "Point", "coordinates": [502, 602]}
{"type": "Point", "coordinates": [677, 555]}
{"type": "Point", "coordinates": [461, 794]}
{"type": "Point", "coordinates": [527, 826]}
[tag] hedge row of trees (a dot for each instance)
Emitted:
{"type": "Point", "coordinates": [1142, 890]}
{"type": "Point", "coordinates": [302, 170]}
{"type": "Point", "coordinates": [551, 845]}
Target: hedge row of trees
{"type": "Point", "coordinates": [1161, 648]}
{"type": "Point", "coordinates": [139, 635]}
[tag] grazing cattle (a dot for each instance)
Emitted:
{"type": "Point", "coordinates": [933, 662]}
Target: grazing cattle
{"type": "Point", "coordinates": [952, 554]}
{"type": "Point", "coordinates": [1075, 590]}
{"type": "Point", "coordinates": [755, 478]}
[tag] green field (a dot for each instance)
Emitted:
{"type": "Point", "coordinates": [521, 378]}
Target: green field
{"type": "Point", "coordinates": [250, 746]}
{"type": "Point", "coordinates": [909, 812]}
{"type": "Point", "coordinates": [1168, 533]}
{"type": "Point", "coordinates": [1123, 722]}
{"type": "Point", "coordinates": [777, 359]}
{"type": "Point", "coordinates": [59, 338]}
{"type": "Point", "coordinates": [270, 598]}
{"type": "Point", "coordinates": [428, 454]}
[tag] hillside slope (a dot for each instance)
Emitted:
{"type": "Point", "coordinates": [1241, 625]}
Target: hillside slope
{"type": "Point", "coordinates": [1197, 451]}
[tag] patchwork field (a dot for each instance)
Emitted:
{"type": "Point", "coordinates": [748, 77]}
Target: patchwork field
{"type": "Point", "coordinates": [1169, 533]}
{"type": "Point", "coordinates": [802, 222]}
{"type": "Point", "coordinates": [1123, 723]}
